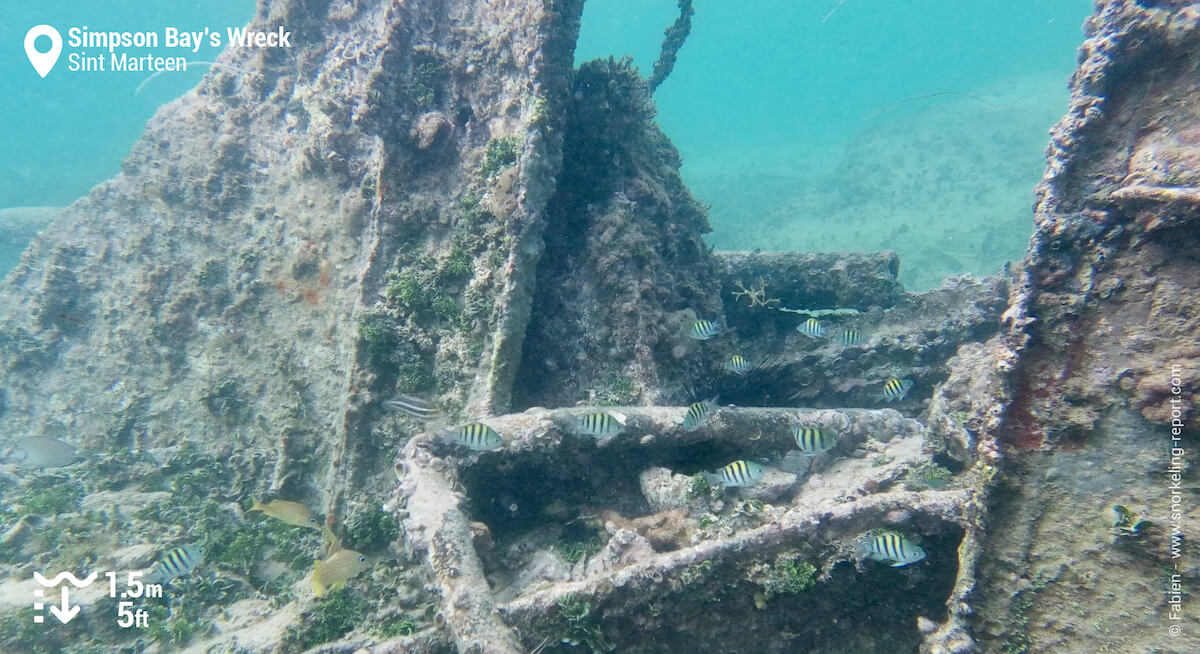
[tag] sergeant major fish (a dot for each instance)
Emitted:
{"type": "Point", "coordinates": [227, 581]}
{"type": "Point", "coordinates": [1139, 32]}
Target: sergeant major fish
{"type": "Point", "coordinates": [333, 572]}
{"type": "Point", "coordinates": [476, 436]}
{"type": "Point", "coordinates": [698, 413]}
{"type": "Point", "coordinates": [702, 330]}
{"type": "Point", "coordinates": [847, 337]}
{"type": "Point", "coordinates": [737, 364]}
{"type": "Point", "coordinates": [176, 563]}
{"type": "Point", "coordinates": [812, 328]}
{"type": "Point", "coordinates": [896, 389]}
{"type": "Point", "coordinates": [813, 440]}
{"type": "Point", "coordinates": [600, 424]}
{"type": "Point", "coordinates": [737, 474]}
{"type": "Point", "coordinates": [890, 546]}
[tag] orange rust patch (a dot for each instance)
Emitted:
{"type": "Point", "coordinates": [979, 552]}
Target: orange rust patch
{"type": "Point", "coordinates": [1024, 432]}
{"type": "Point", "coordinates": [1022, 429]}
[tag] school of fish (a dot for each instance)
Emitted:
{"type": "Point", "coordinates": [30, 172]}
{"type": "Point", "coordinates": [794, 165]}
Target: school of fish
{"type": "Point", "coordinates": [339, 565]}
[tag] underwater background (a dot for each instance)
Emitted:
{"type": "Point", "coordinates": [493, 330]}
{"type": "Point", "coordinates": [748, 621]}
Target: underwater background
{"type": "Point", "coordinates": [442, 326]}
{"type": "Point", "coordinates": [854, 125]}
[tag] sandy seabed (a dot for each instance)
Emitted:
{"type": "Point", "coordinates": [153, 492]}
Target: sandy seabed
{"type": "Point", "coordinates": [946, 181]}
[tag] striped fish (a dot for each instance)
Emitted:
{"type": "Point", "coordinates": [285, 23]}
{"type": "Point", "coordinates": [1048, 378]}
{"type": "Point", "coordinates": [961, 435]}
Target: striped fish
{"type": "Point", "coordinates": [737, 364]}
{"type": "Point", "coordinates": [847, 337]}
{"type": "Point", "coordinates": [413, 406]}
{"type": "Point", "coordinates": [600, 424]}
{"type": "Point", "coordinates": [335, 571]}
{"type": "Point", "coordinates": [176, 563]}
{"type": "Point", "coordinates": [476, 436]}
{"type": "Point", "coordinates": [813, 440]}
{"type": "Point", "coordinates": [737, 474]}
{"type": "Point", "coordinates": [812, 328]}
{"type": "Point", "coordinates": [698, 413]}
{"type": "Point", "coordinates": [896, 389]}
{"type": "Point", "coordinates": [702, 330]}
{"type": "Point", "coordinates": [890, 546]}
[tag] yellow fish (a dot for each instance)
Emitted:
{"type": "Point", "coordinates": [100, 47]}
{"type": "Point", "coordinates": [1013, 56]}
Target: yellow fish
{"type": "Point", "coordinates": [293, 513]}
{"type": "Point", "coordinates": [333, 572]}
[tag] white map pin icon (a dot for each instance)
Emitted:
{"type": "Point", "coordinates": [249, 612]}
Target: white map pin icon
{"type": "Point", "coordinates": [43, 61]}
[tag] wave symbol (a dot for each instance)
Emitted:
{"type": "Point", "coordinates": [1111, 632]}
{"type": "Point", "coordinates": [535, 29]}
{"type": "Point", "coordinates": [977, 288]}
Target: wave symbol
{"type": "Point", "coordinates": [37, 576]}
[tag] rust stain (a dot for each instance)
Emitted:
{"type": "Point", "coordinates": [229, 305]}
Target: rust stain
{"type": "Point", "coordinates": [1024, 432]}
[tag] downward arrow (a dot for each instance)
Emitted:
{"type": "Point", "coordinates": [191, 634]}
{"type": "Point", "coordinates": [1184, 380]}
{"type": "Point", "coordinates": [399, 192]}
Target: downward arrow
{"type": "Point", "coordinates": [67, 612]}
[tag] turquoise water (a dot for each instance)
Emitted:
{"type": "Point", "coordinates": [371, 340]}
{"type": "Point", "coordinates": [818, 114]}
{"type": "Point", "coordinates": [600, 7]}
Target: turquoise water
{"type": "Point", "coordinates": [866, 124]}
{"type": "Point", "coordinates": [75, 127]}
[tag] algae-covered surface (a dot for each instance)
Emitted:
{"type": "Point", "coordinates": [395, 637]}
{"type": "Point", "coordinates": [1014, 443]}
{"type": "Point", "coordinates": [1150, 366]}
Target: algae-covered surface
{"type": "Point", "coordinates": [407, 339]}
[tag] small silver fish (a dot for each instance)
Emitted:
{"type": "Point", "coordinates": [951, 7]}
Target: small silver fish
{"type": "Point", "coordinates": [698, 413]}
{"type": "Point", "coordinates": [738, 365]}
{"type": "Point", "coordinates": [702, 330]}
{"type": "Point", "coordinates": [896, 389]}
{"type": "Point", "coordinates": [890, 546]}
{"type": "Point", "coordinates": [814, 440]}
{"type": "Point", "coordinates": [476, 436]}
{"type": "Point", "coordinates": [600, 424]}
{"type": "Point", "coordinates": [413, 406]}
{"type": "Point", "coordinates": [44, 452]}
{"type": "Point", "coordinates": [847, 337]}
{"type": "Point", "coordinates": [737, 474]}
{"type": "Point", "coordinates": [812, 328]}
{"type": "Point", "coordinates": [176, 563]}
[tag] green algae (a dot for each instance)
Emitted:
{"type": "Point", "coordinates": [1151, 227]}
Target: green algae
{"type": "Point", "coordinates": [787, 575]}
{"type": "Point", "coordinates": [377, 331]}
{"type": "Point", "coordinates": [397, 625]}
{"type": "Point", "coordinates": [51, 495]}
{"type": "Point", "coordinates": [167, 628]}
{"type": "Point", "coordinates": [928, 475]}
{"type": "Point", "coordinates": [371, 529]}
{"type": "Point", "coordinates": [405, 290]}
{"type": "Point", "coordinates": [456, 265]}
{"type": "Point", "coordinates": [578, 626]}
{"type": "Point", "coordinates": [499, 153]}
{"type": "Point", "coordinates": [423, 88]}
{"type": "Point", "coordinates": [329, 618]}
{"type": "Point", "coordinates": [615, 389]}
{"type": "Point", "coordinates": [575, 550]}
